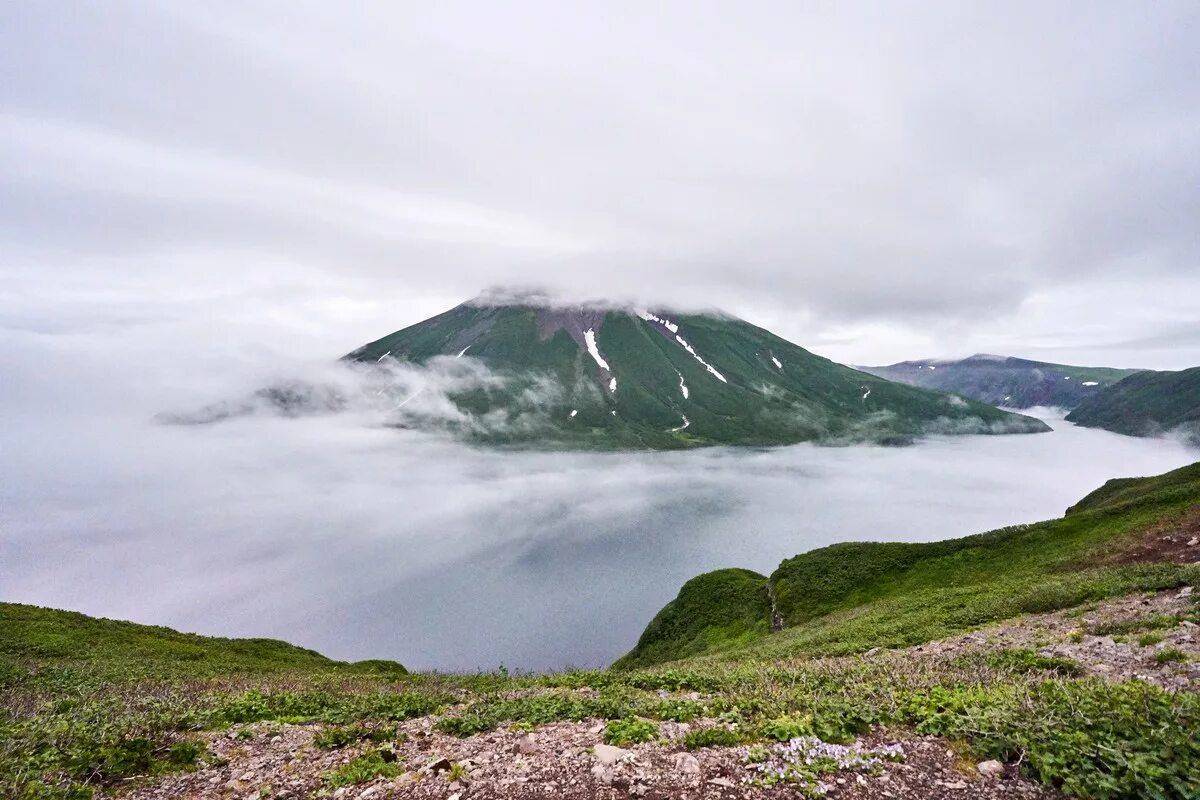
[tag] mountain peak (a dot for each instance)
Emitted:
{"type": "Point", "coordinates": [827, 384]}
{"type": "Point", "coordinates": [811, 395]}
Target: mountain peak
{"type": "Point", "coordinates": [616, 374]}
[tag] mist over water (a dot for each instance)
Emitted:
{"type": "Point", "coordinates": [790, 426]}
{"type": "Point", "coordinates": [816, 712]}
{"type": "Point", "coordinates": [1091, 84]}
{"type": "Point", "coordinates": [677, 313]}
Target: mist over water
{"type": "Point", "coordinates": [361, 541]}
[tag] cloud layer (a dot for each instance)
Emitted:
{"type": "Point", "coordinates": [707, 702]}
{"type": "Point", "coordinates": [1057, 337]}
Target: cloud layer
{"type": "Point", "coordinates": [872, 182]}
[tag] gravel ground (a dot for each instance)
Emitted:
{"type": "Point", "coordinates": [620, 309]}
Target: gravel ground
{"type": "Point", "coordinates": [568, 759]}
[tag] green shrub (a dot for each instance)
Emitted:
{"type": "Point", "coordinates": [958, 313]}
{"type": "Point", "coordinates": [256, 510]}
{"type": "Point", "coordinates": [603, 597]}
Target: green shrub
{"type": "Point", "coordinates": [466, 725]}
{"type": "Point", "coordinates": [366, 767]}
{"type": "Point", "coordinates": [1170, 654]}
{"type": "Point", "coordinates": [621, 732]}
{"type": "Point", "coordinates": [340, 736]}
{"type": "Point", "coordinates": [1023, 661]}
{"type": "Point", "coordinates": [1149, 639]}
{"type": "Point", "coordinates": [712, 737]}
{"type": "Point", "coordinates": [784, 729]}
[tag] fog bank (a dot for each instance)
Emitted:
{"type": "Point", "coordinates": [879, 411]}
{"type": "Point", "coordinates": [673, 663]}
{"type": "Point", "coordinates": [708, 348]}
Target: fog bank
{"type": "Point", "coordinates": [359, 540]}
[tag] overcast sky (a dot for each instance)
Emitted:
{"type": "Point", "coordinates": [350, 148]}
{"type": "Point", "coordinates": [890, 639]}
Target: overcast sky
{"type": "Point", "coordinates": [879, 182]}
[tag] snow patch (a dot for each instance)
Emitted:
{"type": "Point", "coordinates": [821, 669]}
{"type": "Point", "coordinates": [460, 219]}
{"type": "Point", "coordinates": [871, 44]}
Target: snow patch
{"type": "Point", "coordinates": [686, 422]}
{"type": "Point", "coordinates": [696, 356]}
{"type": "Point", "coordinates": [931, 366]}
{"type": "Point", "coordinates": [682, 386]}
{"type": "Point", "coordinates": [574, 411]}
{"type": "Point", "coordinates": [590, 338]}
{"type": "Point", "coordinates": [1091, 383]}
{"type": "Point", "coordinates": [463, 352]}
{"type": "Point", "coordinates": [777, 362]}
{"type": "Point", "coordinates": [666, 323]}
{"type": "Point", "coordinates": [612, 385]}
{"type": "Point", "coordinates": [382, 357]}
{"type": "Point", "coordinates": [1066, 377]}
{"type": "Point", "coordinates": [866, 393]}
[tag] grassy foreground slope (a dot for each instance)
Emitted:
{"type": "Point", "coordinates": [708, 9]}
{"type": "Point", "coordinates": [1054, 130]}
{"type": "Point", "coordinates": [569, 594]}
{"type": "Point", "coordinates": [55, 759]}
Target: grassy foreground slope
{"type": "Point", "coordinates": [855, 596]}
{"type": "Point", "coordinates": [1146, 404]}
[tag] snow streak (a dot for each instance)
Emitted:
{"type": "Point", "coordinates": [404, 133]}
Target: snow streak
{"type": "Point", "coordinates": [590, 338]}
{"type": "Point", "coordinates": [696, 356]}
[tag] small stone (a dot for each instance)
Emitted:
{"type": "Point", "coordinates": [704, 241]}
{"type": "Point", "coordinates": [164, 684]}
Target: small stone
{"type": "Point", "coordinates": [276, 739]}
{"type": "Point", "coordinates": [368, 793]}
{"type": "Point", "coordinates": [436, 766]}
{"type": "Point", "coordinates": [1185, 591]}
{"type": "Point", "coordinates": [686, 763]}
{"type": "Point", "coordinates": [725, 782]}
{"type": "Point", "coordinates": [871, 652]}
{"type": "Point", "coordinates": [603, 774]}
{"type": "Point", "coordinates": [526, 745]}
{"type": "Point", "coordinates": [1192, 542]}
{"type": "Point", "coordinates": [607, 754]}
{"type": "Point", "coordinates": [455, 796]}
{"type": "Point", "coordinates": [990, 769]}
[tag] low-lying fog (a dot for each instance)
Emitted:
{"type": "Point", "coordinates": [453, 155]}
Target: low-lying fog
{"type": "Point", "coordinates": [361, 541]}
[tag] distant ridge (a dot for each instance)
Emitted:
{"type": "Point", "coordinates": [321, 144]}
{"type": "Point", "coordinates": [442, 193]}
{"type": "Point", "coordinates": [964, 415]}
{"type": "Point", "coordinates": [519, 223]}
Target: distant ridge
{"type": "Point", "coordinates": [1006, 381]}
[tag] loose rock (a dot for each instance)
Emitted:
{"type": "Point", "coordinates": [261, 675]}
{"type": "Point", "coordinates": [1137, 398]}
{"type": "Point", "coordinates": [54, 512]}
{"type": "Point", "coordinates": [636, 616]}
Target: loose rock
{"type": "Point", "coordinates": [607, 754]}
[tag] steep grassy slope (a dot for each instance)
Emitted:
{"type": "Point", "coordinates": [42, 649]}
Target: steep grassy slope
{"type": "Point", "coordinates": [854, 596]}
{"type": "Point", "coordinates": [1146, 404]}
{"type": "Point", "coordinates": [721, 609]}
{"type": "Point", "coordinates": [660, 382]}
{"type": "Point", "coordinates": [1006, 381]}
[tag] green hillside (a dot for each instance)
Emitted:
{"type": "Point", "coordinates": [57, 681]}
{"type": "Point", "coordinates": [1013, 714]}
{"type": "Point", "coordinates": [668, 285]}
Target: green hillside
{"type": "Point", "coordinates": [37, 643]}
{"type": "Point", "coordinates": [721, 609]}
{"type": "Point", "coordinates": [666, 381]}
{"type": "Point", "coordinates": [1146, 404]}
{"type": "Point", "coordinates": [853, 596]}
{"type": "Point", "coordinates": [1005, 380]}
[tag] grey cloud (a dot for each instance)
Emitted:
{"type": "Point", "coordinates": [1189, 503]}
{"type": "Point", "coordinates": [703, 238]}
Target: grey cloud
{"type": "Point", "coordinates": [851, 166]}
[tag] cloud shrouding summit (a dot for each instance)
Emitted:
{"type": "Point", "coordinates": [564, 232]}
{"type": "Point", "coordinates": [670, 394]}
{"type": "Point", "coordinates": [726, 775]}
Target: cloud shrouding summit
{"type": "Point", "coordinates": [874, 183]}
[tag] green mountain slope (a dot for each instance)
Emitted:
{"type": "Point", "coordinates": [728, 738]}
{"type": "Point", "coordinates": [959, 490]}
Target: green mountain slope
{"type": "Point", "coordinates": [603, 377]}
{"type": "Point", "coordinates": [1146, 404]}
{"type": "Point", "coordinates": [65, 641]}
{"type": "Point", "coordinates": [849, 597]}
{"type": "Point", "coordinates": [1006, 381]}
